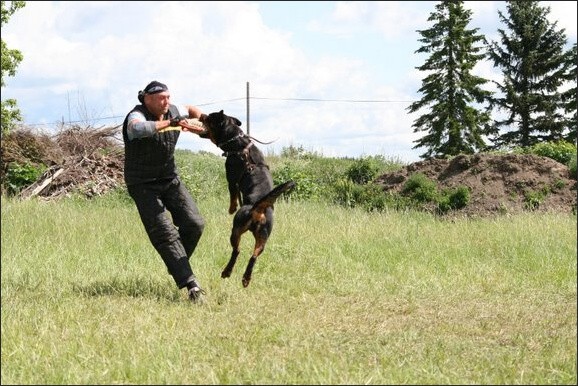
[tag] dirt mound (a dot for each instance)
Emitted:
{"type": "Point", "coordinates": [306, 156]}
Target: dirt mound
{"type": "Point", "coordinates": [498, 184]}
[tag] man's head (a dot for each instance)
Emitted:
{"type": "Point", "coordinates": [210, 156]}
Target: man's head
{"type": "Point", "coordinates": [155, 97]}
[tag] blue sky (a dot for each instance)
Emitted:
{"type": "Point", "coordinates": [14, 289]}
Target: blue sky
{"type": "Point", "coordinates": [353, 63]}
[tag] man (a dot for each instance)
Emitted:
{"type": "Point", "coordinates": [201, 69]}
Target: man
{"type": "Point", "coordinates": [150, 133]}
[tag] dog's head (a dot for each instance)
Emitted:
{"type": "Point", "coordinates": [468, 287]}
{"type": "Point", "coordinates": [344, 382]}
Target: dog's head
{"type": "Point", "coordinates": [221, 127]}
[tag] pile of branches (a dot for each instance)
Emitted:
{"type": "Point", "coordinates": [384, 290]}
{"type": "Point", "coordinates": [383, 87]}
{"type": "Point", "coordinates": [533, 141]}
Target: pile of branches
{"type": "Point", "coordinates": [78, 160]}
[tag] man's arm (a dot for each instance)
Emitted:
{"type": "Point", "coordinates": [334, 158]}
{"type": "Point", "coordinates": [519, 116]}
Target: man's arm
{"type": "Point", "coordinates": [139, 127]}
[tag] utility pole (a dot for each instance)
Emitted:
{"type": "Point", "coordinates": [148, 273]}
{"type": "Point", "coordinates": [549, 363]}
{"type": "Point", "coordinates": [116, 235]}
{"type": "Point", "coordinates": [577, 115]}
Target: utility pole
{"type": "Point", "coordinates": [248, 126]}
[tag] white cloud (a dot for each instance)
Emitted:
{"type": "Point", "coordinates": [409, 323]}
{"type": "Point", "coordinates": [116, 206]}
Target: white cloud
{"type": "Point", "coordinates": [564, 12]}
{"type": "Point", "coordinates": [91, 58]}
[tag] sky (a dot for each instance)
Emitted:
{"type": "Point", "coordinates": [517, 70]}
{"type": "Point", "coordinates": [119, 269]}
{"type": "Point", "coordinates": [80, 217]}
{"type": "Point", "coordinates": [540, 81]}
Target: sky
{"type": "Point", "coordinates": [330, 77]}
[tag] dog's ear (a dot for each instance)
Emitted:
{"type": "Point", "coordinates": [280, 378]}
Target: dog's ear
{"type": "Point", "coordinates": [233, 120]}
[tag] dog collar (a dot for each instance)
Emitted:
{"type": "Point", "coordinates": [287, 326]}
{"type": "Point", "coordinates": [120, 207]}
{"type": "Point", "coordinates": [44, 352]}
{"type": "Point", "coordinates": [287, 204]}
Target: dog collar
{"type": "Point", "coordinates": [230, 140]}
{"type": "Point", "coordinates": [244, 151]}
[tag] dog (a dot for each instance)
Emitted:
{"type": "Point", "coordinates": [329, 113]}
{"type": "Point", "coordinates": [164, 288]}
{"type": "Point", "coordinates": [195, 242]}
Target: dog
{"type": "Point", "coordinates": [250, 186]}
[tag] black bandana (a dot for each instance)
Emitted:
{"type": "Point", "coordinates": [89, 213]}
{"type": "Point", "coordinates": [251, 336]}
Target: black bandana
{"type": "Point", "coordinates": [153, 87]}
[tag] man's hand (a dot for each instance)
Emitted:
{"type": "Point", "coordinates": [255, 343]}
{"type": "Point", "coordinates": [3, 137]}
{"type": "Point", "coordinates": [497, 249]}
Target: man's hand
{"type": "Point", "coordinates": [176, 120]}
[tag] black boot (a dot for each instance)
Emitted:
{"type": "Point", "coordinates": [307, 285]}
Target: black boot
{"type": "Point", "coordinates": [195, 290]}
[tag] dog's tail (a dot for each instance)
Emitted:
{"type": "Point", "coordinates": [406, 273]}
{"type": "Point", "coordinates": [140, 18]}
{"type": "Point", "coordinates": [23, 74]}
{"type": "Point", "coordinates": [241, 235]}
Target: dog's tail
{"type": "Point", "coordinates": [269, 199]}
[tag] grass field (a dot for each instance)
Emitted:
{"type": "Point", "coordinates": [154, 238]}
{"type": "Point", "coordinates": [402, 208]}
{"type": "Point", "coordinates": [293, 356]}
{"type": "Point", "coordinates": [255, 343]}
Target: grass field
{"type": "Point", "coordinates": [339, 296]}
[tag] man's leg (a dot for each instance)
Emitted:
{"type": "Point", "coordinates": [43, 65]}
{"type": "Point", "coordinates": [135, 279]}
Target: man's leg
{"type": "Point", "coordinates": [185, 214]}
{"type": "Point", "coordinates": [161, 231]}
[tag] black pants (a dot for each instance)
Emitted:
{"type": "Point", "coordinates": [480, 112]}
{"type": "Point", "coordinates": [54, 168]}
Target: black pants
{"type": "Point", "coordinates": [174, 236]}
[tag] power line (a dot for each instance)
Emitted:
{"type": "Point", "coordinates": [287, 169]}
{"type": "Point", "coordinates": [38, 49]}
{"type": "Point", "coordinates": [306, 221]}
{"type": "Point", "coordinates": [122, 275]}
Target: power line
{"type": "Point", "coordinates": [242, 98]}
{"type": "Point", "coordinates": [331, 100]}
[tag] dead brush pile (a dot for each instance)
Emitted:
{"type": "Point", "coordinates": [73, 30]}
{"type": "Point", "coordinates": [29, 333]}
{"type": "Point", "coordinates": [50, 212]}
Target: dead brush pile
{"type": "Point", "coordinates": [76, 160]}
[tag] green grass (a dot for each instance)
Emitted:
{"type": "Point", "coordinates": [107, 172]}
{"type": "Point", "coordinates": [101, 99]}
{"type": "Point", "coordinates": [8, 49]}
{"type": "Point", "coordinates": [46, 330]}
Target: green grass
{"type": "Point", "coordinates": [339, 296]}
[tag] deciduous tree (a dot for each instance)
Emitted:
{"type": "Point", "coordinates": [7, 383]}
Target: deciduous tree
{"type": "Point", "coordinates": [11, 58]}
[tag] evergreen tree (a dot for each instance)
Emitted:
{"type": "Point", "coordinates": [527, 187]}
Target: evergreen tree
{"type": "Point", "coordinates": [534, 63]}
{"type": "Point", "coordinates": [10, 60]}
{"type": "Point", "coordinates": [453, 124]}
{"type": "Point", "coordinates": [569, 96]}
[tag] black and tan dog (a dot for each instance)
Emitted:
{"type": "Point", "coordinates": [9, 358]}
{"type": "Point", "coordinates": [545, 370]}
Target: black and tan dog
{"type": "Point", "coordinates": [250, 186]}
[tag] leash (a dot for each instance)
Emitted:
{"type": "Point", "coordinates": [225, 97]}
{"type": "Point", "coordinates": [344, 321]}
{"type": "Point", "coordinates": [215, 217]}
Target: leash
{"type": "Point", "coordinates": [264, 143]}
{"type": "Point", "coordinates": [241, 136]}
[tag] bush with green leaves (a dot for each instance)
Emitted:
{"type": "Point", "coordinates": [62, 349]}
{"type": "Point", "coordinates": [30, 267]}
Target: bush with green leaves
{"type": "Point", "coordinates": [420, 188]}
{"type": "Point", "coordinates": [306, 188]}
{"type": "Point", "coordinates": [345, 192]}
{"type": "Point", "coordinates": [561, 151]}
{"type": "Point", "coordinates": [373, 198]}
{"type": "Point", "coordinates": [452, 199]}
{"type": "Point", "coordinates": [369, 196]}
{"type": "Point", "coordinates": [203, 173]}
{"type": "Point", "coordinates": [18, 176]}
{"type": "Point", "coordinates": [363, 170]}
{"type": "Point", "coordinates": [298, 152]}
{"type": "Point", "coordinates": [533, 199]}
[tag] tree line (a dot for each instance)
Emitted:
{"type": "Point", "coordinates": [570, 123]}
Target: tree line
{"type": "Point", "coordinates": [536, 95]}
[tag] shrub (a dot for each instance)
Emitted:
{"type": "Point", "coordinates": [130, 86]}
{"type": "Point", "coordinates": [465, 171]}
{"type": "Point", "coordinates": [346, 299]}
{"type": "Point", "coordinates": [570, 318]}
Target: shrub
{"type": "Point", "coordinates": [344, 193]}
{"type": "Point", "coordinates": [459, 197]}
{"type": "Point", "coordinates": [454, 199]}
{"type": "Point", "coordinates": [363, 170]}
{"type": "Point", "coordinates": [533, 199]}
{"type": "Point", "coordinates": [373, 198]}
{"type": "Point", "coordinates": [298, 152]}
{"type": "Point", "coordinates": [369, 197]}
{"type": "Point", "coordinates": [419, 187]}
{"type": "Point", "coordinates": [19, 176]}
{"type": "Point", "coordinates": [306, 187]}
{"type": "Point", "coordinates": [560, 151]}
{"type": "Point", "coordinates": [203, 173]}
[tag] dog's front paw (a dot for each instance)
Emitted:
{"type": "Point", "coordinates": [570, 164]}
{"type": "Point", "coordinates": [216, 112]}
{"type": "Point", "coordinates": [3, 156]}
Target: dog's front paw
{"type": "Point", "coordinates": [232, 209]}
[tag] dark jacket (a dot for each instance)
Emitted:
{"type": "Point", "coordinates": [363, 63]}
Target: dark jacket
{"type": "Point", "coordinates": [151, 158]}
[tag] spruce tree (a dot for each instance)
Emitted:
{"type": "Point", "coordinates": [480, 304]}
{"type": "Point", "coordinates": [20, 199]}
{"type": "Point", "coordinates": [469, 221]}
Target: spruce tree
{"type": "Point", "coordinates": [453, 122]}
{"type": "Point", "coordinates": [533, 63]}
{"type": "Point", "coordinates": [569, 97]}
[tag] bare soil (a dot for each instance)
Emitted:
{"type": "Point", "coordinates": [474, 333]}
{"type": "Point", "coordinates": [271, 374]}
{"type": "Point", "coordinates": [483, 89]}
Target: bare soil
{"type": "Point", "coordinates": [498, 184]}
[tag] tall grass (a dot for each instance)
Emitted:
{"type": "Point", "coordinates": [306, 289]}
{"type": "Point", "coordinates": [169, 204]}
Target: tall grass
{"type": "Point", "coordinates": [339, 296]}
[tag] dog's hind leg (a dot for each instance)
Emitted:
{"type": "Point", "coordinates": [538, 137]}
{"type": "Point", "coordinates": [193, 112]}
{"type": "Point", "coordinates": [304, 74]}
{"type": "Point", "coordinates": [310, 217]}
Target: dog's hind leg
{"type": "Point", "coordinates": [259, 247]}
{"type": "Point", "coordinates": [261, 230]}
{"type": "Point", "coordinates": [235, 241]}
